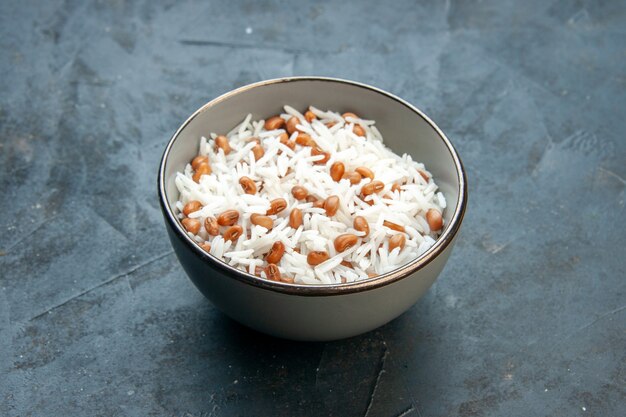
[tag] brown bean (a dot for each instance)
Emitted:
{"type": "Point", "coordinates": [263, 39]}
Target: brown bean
{"type": "Point", "coordinates": [360, 223]}
{"type": "Point", "coordinates": [424, 175]}
{"type": "Point", "coordinates": [347, 264]}
{"type": "Point", "coordinates": [272, 272]}
{"type": "Point", "coordinates": [284, 139]}
{"type": "Point", "coordinates": [372, 187]}
{"type": "Point", "coordinates": [397, 241]}
{"type": "Point", "coordinates": [317, 257]}
{"type": "Point", "coordinates": [336, 171]}
{"type": "Point", "coordinates": [289, 280]}
{"type": "Point", "coordinates": [258, 270]}
{"type": "Point", "coordinates": [311, 198]}
{"type": "Point", "coordinates": [345, 242]}
{"type": "Point", "coordinates": [191, 206]}
{"type": "Point", "coordinates": [434, 219]}
{"type": "Point", "coordinates": [358, 130]}
{"type": "Point", "coordinates": [319, 203]}
{"type": "Point", "coordinates": [200, 159]}
{"type": "Point", "coordinates": [258, 152]}
{"type": "Point", "coordinates": [292, 123]}
{"type": "Point", "coordinates": [365, 172]}
{"type": "Point", "coordinates": [304, 139]}
{"type": "Point", "coordinates": [228, 218]}
{"type": "Point", "coordinates": [276, 252]}
{"type": "Point", "coordinates": [254, 139]}
{"type": "Point", "coordinates": [276, 206]}
{"type": "Point", "coordinates": [344, 280]}
{"type": "Point", "coordinates": [395, 187]}
{"type": "Point", "coordinates": [372, 274]}
{"type": "Point", "coordinates": [222, 143]}
{"type": "Point", "coordinates": [394, 226]}
{"type": "Point", "coordinates": [331, 205]}
{"type": "Point", "coordinates": [353, 177]}
{"type": "Point", "coordinates": [317, 151]}
{"type": "Point", "coordinates": [261, 220]}
{"type": "Point", "coordinates": [233, 233]}
{"type": "Point", "coordinates": [370, 202]}
{"type": "Point", "coordinates": [310, 116]}
{"type": "Point", "coordinates": [191, 225]}
{"type": "Point", "coordinates": [295, 218]}
{"type": "Point", "coordinates": [249, 187]}
{"type": "Point", "coordinates": [299, 192]}
{"type": "Point", "coordinates": [206, 246]}
{"type": "Point", "coordinates": [274, 122]}
{"type": "Point", "coordinates": [203, 169]}
{"type": "Point", "coordinates": [349, 114]}
{"type": "Point", "coordinates": [330, 124]}
{"type": "Point", "coordinates": [211, 226]}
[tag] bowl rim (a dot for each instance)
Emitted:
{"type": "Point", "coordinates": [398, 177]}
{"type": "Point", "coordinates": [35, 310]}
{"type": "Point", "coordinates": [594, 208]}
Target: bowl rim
{"type": "Point", "coordinates": [404, 271]}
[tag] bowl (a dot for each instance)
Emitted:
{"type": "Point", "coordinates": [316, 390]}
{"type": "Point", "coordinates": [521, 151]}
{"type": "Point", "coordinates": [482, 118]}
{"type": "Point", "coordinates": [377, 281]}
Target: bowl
{"type": "Point", "coordinates": [316, 312]}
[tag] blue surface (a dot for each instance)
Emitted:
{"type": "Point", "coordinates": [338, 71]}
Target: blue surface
{"type": "Point", "coordinates": [97, 317]}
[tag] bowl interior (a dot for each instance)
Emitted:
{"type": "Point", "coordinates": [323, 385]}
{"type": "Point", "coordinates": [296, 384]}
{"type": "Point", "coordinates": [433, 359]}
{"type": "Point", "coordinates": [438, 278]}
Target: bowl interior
{"type": "Point", "coordinates": [404, 129]}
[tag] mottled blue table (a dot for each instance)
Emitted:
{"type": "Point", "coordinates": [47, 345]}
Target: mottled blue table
{"type": "Point", "coordinates": [97, 316]}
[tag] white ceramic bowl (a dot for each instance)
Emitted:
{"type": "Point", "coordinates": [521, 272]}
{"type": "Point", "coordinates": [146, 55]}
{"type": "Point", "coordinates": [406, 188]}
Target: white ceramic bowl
{"type": "Point", "coordinates": [316, 312]}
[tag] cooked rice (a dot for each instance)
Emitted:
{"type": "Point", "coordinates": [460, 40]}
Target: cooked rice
{"type": "Point", "coordinates": [281, 168]}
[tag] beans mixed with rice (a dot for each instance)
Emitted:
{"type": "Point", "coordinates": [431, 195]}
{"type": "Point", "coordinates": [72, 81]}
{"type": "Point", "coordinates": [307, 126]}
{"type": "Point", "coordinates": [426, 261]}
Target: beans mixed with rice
{"type": "Point", "coordinates": [313, 198]}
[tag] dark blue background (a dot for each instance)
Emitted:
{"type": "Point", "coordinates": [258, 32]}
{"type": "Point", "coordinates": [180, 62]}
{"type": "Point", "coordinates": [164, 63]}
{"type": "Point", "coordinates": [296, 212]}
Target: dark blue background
{"type": "Point", "coordinates": [97, 316]}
